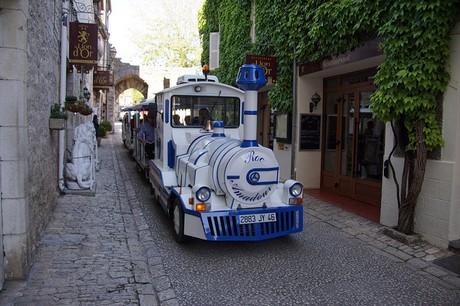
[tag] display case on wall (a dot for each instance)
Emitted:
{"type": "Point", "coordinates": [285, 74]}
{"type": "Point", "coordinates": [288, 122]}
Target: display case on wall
{"type": "Point", "coordinates": [283, 127]}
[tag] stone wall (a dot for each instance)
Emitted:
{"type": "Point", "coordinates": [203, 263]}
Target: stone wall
{"type": "Point", "coordinates": [43, 80]}
{"type": "Point", "coordinates": [30, 84]}
{"type": "Point", "coordinates": [122, 70]}
{"type": "Point", "coordinates": [13, 56]}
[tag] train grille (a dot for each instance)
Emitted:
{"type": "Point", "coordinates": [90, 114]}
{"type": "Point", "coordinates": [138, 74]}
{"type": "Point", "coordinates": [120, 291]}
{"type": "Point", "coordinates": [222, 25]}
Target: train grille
{"type": "Point", "coordinates": [224, 225]}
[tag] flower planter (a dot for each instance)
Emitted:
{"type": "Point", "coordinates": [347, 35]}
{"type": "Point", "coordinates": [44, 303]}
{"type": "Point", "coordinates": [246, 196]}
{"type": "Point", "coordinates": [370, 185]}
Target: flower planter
{"type": "Point", "coordinates": [73, 107]}
{"type": "Point", "coordinates": [57, 123]}
{"type": "Point", "coordinates": [86, 111]}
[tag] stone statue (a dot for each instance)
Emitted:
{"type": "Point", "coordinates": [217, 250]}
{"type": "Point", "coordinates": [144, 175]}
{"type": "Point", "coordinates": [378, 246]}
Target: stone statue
{"type": "Point", "coordinates": [81, 171]}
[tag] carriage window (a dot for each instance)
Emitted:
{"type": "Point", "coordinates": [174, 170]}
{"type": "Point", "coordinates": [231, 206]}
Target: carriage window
{"type": "Point", "coordinates": [193, 111]}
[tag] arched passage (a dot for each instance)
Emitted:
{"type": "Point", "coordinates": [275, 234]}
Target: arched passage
{"type": "Point", "coordinates": [131, 81]}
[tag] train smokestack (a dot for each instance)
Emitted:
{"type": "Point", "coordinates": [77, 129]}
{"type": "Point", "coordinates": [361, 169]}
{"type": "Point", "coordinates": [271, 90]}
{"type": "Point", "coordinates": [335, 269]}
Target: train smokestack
{"type": "Point", "coordinates": [250, 79]}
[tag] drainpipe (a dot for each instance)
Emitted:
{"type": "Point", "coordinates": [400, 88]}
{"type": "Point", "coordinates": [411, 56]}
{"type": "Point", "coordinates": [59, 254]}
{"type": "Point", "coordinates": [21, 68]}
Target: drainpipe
{"type": "Point", "coordinates": [62, 92]}
{"type": "Point", "coordinates": [294, 119]}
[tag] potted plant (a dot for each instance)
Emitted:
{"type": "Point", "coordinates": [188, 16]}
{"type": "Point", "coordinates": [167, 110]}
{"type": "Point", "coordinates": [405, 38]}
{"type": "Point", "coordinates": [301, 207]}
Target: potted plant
{"type": "Point", "coordinates": [107, 126]}
{"type": "Point", "coordinates": [71, 99]}
{"type": "Point", "coordinates": [87, 110]}
{"type": "Point", "coordinates": [58, 117]}
{"type": "Point", "coordinates": [101, 132]}
{"type": "Point", "coordinates": [75, 106]}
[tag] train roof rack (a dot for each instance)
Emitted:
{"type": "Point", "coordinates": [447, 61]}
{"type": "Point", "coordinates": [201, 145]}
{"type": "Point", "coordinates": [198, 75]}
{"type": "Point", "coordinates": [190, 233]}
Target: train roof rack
{"type": "Point", "coordinates": [196, 78]}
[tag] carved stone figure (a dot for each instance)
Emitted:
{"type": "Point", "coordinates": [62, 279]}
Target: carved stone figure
{"type": "Point", "coordinates": [81, 171]}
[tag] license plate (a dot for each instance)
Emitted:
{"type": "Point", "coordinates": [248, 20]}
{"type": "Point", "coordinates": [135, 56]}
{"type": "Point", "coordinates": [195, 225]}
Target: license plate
{"type": "Point", "coordinates": [257, 218]}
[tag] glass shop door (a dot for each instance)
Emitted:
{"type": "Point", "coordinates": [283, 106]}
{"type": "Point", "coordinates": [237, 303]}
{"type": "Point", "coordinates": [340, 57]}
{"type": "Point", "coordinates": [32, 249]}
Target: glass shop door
{"type": "Point", "coordinates": [353, 146]}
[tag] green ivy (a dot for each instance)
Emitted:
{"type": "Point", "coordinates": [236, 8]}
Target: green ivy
{"type": "Point", "coordinates": [415, 71]}
{"type": "Point", "coordinates": [231, 19]}
{"type": "Point", "coordinates": [415, 43]}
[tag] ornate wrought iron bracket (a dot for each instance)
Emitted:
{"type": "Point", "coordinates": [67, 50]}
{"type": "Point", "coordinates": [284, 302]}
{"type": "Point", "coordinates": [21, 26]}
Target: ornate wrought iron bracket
{"type": "Point", "coordinates": [76, 7]}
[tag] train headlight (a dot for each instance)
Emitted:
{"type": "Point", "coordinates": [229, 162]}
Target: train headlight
{"type": "Point", "coordinates": [202, 193]}
{"type": "Point", "coordinates": [296, 190]}
{"type": "Point", "coordinates": [292, 192]}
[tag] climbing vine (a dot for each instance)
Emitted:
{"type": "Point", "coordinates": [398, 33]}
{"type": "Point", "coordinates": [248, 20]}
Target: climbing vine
{"type": "Point", "coordinates": [232, 20]}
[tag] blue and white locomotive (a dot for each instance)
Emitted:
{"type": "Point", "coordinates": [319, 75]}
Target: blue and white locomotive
{"type": "Point", "coordinates": [209, 173]}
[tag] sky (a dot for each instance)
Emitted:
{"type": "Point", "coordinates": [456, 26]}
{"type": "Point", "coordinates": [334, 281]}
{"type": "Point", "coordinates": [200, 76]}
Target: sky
{"type": "Point", "coordinates": [126, 17]}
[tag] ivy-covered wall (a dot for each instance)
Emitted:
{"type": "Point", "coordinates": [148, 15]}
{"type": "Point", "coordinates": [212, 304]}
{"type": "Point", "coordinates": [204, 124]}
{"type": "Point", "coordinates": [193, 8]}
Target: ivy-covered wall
{"type": "Point", "coordinates": [414, 35]}
{"type": "Point", "coordinates": [231, 19]}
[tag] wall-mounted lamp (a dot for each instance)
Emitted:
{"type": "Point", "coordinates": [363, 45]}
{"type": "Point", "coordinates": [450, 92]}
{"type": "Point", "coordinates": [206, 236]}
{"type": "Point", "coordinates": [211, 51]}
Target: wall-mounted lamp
{"type": "Point", "coordinates": [314, 101]}
{"type": "Point", "coordinates": [86, 94]}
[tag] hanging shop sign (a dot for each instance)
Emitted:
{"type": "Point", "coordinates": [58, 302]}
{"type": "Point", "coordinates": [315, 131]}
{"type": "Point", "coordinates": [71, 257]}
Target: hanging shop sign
{"type": "Point", "coordinates": [102, 79]}
{"type": "Point", "coordinates": [370, 49]}
{"type": "Point", "coordinates": [268, 63]}
{"type": "Point", "coordinates": [83, 45]}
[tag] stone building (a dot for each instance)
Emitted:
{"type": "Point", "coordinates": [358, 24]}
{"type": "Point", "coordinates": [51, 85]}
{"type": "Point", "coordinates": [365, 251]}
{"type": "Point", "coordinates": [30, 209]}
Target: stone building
{"type": "Point", "coordinates": [324, 142]}
{"type": "Point", "coordinates": [34, 39]}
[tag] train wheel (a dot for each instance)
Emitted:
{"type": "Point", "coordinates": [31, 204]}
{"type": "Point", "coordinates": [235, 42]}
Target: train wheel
{"type": "Point", "coordinates": [178, 221]}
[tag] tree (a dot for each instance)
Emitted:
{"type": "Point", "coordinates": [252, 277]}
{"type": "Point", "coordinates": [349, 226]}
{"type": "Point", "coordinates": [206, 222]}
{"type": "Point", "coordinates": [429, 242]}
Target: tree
{"type": "Point", "coordinates": [169, 37]}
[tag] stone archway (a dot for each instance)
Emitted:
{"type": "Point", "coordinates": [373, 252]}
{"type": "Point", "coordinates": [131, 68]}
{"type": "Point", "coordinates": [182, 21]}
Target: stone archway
{"type": "Point", "coordinates": [131, 81]}
{"type": "Point", "coordinates": [125, 76]}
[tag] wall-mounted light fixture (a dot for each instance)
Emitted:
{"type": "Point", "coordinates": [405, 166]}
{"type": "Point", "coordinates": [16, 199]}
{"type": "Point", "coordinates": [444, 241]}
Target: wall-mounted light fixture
{"type": "Point", "coordinates": [86, 94]}
{"type": "Point", "coordinates": [314, 101]}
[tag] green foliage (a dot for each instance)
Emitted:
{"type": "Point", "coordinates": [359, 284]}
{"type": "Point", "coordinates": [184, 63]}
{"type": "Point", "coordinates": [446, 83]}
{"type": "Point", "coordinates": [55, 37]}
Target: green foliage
{"type": "Point", "coordinates": [414, 35]}
{"type": "Point", "coordinates": [71, 99]}
{"type": "Point", "coordinates": [101, 132]}
{"type": "Point", "coordinates": [168, 38]}
{"type": "Point", "coordinates": [136, 94]}
{"type": "Point", "coordinates": [415, 72]}
{"type": "Point", "coordinates": [231, 19]}
{"type": "Point", "coordinates": [106, 125]}
{"type": "Point", "coordinates": [57, 111]}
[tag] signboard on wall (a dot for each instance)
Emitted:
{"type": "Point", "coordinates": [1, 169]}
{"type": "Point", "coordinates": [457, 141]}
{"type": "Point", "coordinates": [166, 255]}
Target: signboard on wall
{"type": "Point", "coordinates": [268, 63]}
{"type": "Point", "coordinates": [102, 80]}
{"type": "Point", "coordinates": [370, 49]}
{"type": "Point", "coordinates": [310, 132]}
{"type": "Point", "coordinates": [83, 45]}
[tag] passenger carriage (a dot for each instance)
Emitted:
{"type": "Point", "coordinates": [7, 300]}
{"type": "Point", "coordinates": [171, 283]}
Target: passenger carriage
{"type": "Point", "coordinates": [131, 124]}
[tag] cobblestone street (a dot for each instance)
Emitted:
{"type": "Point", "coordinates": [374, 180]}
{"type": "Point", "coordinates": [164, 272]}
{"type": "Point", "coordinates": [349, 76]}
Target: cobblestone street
{"type": "Point", "coordinates": [99, 250]}
{"type": "Point", "coordinates": [95, 249]}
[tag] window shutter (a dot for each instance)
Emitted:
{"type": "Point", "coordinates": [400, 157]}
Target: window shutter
{"type": "Point", "coordinates": [214, 41]}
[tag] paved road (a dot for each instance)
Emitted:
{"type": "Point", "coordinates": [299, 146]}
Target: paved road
{"type": "Point", "coordinates": [339, 259]}
{"type": "Point", "coordinates": [116, 248]}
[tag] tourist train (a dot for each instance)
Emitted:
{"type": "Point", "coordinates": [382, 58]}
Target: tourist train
{"type": "Point", "coordinates": [209, 174]}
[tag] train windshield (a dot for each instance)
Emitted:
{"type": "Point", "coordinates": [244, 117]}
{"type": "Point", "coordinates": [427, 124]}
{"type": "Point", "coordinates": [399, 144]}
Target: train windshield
{"type": "Point", "coordinates": [194, 111]}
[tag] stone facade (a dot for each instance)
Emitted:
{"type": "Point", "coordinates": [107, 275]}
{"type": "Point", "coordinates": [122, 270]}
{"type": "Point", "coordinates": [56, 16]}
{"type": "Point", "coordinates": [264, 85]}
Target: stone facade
{"type": "Point", "coordinates": [29, 83]}
{"type": "Point", "coordinates": [30, 79]}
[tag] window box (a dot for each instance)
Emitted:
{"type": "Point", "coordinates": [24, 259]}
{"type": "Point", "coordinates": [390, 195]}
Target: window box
{"type": "Point", "coordinates": [57, 123]}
